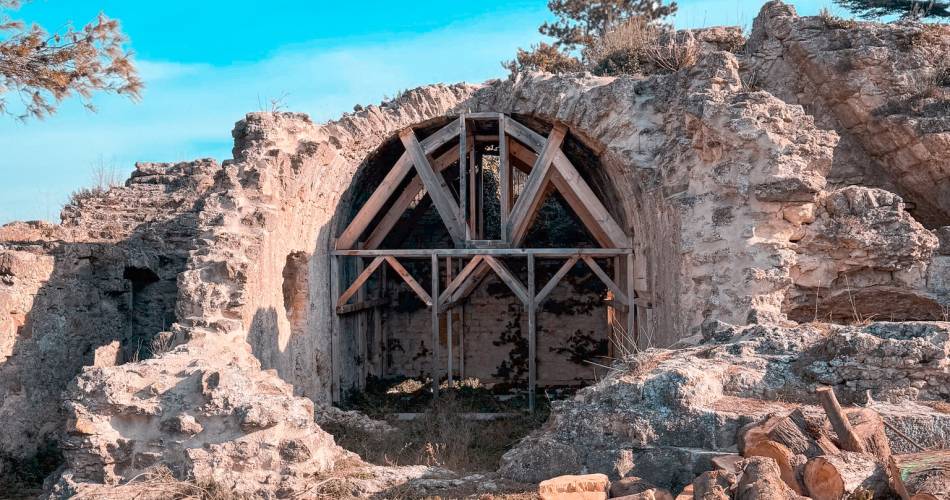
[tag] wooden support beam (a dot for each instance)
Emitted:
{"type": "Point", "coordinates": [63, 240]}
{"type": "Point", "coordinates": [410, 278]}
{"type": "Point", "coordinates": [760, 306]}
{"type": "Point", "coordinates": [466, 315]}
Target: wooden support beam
{"type": "Point", "coordinates": [336, 361]}
{"type": "Point", "coordinates": [464, 144]}
{"type": "Point", "coordinates": [463, 275]}
{"type": "Point", "coordinates": [532, 337]}
{"type": "Point", "coordinates": [549, 287]}
{"type": "Point", "coordinates": [504, 174]}
{"type": "Point", "coordinates": [633, 334]}
{"type": "Point", "coordinates": [528, 137]}
{"type": "Point", "coordinates": [587, 205]}
{"type": "Point", "coordinates": [471, 252]}
{"type": "Point", "coordinates": [362, 306]}
{"type": "Point", "coordinates": [435, 186]}
{"type": "Point", "coordinates": [435, 325]}
{"type": "Point", "coordinates": [358, 283]}
{"type": "Point", "coordinates": [390, 182]}
{"type": "Point", "coordinates": [509, 279]}
{"type": "Point", "coordinates": [532, 196]}
{"type": "Point", "coordinates": [617, 291]}
{"type": "Point", "coordinates": [413, 284]}
{"type": "Point", "coordinates": [462, 342]}
{"type": "Point", "coordinates": [469, 286]}
{"type": "Point", "coordinates": [411, 191]}
{"type": "Point", "coordinates": [448, 324]}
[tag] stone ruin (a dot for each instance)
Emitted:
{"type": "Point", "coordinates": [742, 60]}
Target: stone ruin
{"type": "Point", "coordinates": [788, 202]}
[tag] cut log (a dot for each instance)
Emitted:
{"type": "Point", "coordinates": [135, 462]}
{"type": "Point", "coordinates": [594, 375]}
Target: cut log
{"type": "Point", "coordinates": [714, 485]}
{"type": "Point", "coordinates": [831, 477]}
{"type": "Point", "coordinates": [868, 426]}
{"type": "Point", "coordinates": [794, 431]}
{"type": "Point", "coordinates": [686, 494]}
{"type": "Point", "coordinates": [784, 458]}
{"type": "Point", "coordinates": [839, 422]}
{"type": "Point", "coordinates": [921, 476]}
{"type": "Point", "coordinates": [761, 480]}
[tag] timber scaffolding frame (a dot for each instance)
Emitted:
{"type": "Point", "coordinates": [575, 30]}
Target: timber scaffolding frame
{"type": "Point", "coordinates": [546, 166]}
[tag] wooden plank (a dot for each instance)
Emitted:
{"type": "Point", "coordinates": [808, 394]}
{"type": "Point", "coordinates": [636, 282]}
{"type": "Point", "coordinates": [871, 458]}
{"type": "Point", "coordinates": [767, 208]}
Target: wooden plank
{"type": "Point", "coordinates": [633, 334]}
{"type": "Point", "coordinates": [336, 364]}
{"type": "Point", "coordinates": [463, 173]}
{"type": "Point", "coordinates": [390, 182]}
{"type": "Point", "coordinates": [549, 287]}
{"type": "Point", "coordinates": [600, 218]}
{"type": "Point", "coordinates": [504, 174]}
{"type": "Point", "coordinates": [448, 324]}
{"type": "Point", "coordinates": [413, 284]}
{"type": "Point", "coordinates": [472, 201]}
{"type": "Point", "coordinates": [471, 252]}
{"type": "Point", "coordinates": [435, 325]}
{"type": "Point", "coordinates": [399, 207]}
{"type": "Point", "coordinates": [460, 279]}
{"type": "Point", "coordinates": [532, 337]}
{"type": "Point", "coordinates": [360, 279]}
{"type": "Point", "coordinates": [618, 292]}
{"type": "Point", "coordinates": [435, 185]}
{"type": "Point", "coordinates": [484, 115]}
{"type": "Point", "coordinates": [509, 279]}
{"type": "Point", "coordinates": [486, 138]}
{"type": "Point", "coordinates": [525, 135]}
{"type": "Point", "coordinates": [462, 342]}
{"type": "Point", "coordinates": [532, 196]}
{"type": "Point", "coordinates": [470, 285]}
{"type": "Point", "coordinates": [361, 306]}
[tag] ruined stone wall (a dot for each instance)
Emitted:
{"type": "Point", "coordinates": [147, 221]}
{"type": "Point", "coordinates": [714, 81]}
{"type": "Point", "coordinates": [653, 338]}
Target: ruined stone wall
{"type": "Point", "coordinates": [108, 273]}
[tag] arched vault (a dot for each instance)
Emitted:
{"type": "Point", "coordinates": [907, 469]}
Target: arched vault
{"type": "Point", "coordinates": [547, 169]}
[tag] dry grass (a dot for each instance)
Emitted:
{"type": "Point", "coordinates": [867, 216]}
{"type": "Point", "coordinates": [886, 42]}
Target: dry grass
{"type": "Point", "coordinates": [159, 483]}
{"type": "Point", "coordinates": [441, 436]}
{"type": "Point", "coordinates": [637, 46]}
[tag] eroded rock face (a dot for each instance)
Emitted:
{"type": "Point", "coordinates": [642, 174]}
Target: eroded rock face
{"type": "Point", "coordinates": [878, 86]}
{"type": "Point", "coordinates": [666, 413]}
{"type": "Point", "coordinates": [208, 413]}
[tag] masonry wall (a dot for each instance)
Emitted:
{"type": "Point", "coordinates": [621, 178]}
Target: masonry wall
{"type": "Point", "coordinates": [572, 330]}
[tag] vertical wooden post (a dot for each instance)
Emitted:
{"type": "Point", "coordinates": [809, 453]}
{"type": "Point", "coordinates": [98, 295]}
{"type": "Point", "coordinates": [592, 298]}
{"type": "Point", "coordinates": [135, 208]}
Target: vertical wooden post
{"type": "Point", "coordinates": [462, 342]}
{"type": "Point", "coordinates": [504, 174]}
{"type": "Point", "coordinates": [378, 325]}
{"type": "Point", "coordinates": [361, 327]}
{"type": "Point", "coordinates": [632, 334]}
{"type": "Point", "coordinates": [435, 324]}
{"type": "Point", "coordinates": [463, 174]}
{"type": "Point", "coordinates": [480, 162]}
{"type": "Point", "coordinates": [532, 336]}
{"type": "Point", "coordinates": [448, 322]}
{"type": "Point", "coordinates": [335, 376]}
{"type": "Point", "coordinates": [472, 184]}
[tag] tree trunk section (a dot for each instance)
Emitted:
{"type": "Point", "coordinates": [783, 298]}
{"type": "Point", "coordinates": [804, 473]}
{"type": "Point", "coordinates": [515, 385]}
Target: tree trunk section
{"type": "Point", "coordinates": [831, 477]}
{"type": "Point", "coordinates": [839, 421]}
{"type": "Point", "coordinates": [761, 480]}
{"type": "Point", "coordinates": [869, 429]}
{"type": "Point", "coordinates": [783, 457]}
{"type": "Point", "coordinates": [921, 476]}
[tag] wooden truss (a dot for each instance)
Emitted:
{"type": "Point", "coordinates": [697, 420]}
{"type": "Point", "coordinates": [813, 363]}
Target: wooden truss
{"type": "Point", "coordinates": [547, 168]}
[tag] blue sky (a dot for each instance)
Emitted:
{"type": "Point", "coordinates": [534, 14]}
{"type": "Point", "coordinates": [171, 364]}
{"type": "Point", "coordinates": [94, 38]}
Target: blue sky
{"type": "Point", "coordinates": [207, 63]}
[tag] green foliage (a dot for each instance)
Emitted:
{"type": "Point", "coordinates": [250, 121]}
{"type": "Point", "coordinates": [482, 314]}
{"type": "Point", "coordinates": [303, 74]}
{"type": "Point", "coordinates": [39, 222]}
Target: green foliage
{"type": "Point", "coordinates": [543, 57]}
{"type": "Point", "coordinates": [43, 69]}
{"type": "Point", "coordinates": [904, 9]}
{"type": "Point", "coordinates": [581, 21]}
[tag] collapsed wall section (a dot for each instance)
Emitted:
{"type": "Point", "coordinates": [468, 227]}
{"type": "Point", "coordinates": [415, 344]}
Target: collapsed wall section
{"type": "Point", "coordinates": [105, 278]}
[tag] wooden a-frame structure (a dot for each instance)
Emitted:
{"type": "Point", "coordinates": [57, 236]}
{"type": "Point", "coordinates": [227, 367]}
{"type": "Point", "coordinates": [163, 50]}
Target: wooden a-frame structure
{"type": "Point", "coordinates": [547, 168]}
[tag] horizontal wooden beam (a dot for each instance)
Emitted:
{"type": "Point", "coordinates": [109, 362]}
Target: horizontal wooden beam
{"type": "Point", "coordinates": [471, 252]}
{"type": "Point", "coordinates": [360, 306]}
{"type": "Point", "coordinates": [484, 115]}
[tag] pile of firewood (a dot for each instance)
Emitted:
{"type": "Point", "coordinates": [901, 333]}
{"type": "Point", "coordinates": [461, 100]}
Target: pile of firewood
{"type": "Point", "coordinates": [844, 454]}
